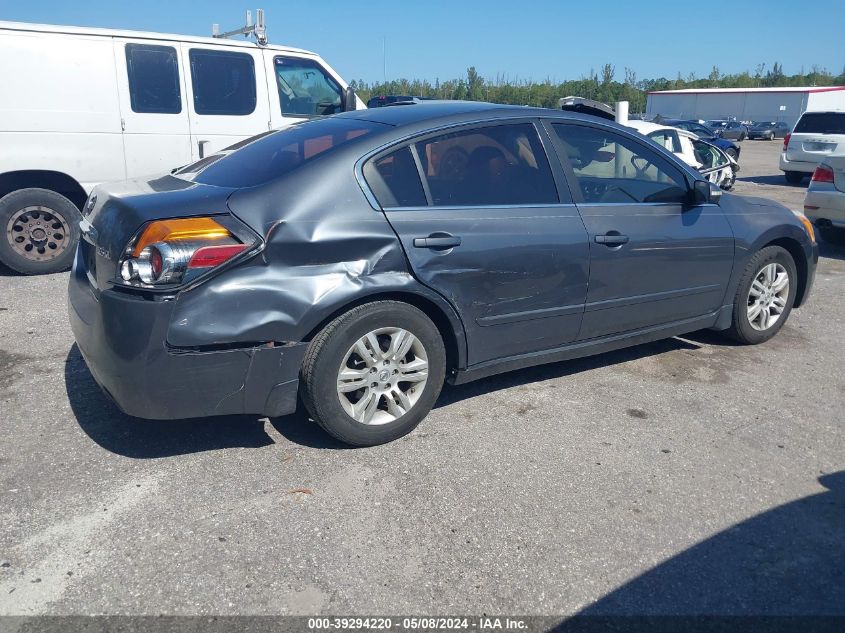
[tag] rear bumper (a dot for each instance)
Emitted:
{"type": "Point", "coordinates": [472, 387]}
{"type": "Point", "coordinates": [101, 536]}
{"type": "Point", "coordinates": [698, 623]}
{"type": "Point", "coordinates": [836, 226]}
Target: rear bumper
{"type": "Point", "coordinates": [123, 341]}
{"type": "Point", "coordinates": [806, 167]}
{"type": "Point", "coordinates": [825, 205]}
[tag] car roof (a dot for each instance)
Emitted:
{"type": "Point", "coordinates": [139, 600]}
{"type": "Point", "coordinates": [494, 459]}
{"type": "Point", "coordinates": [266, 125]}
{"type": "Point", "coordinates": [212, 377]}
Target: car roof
{"type": "Point", "coordinates": [435, 113]}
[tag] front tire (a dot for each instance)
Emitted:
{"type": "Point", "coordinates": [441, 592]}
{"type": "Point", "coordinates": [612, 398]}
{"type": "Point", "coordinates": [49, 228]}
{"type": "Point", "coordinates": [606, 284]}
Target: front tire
{"type": "Point", "coordinates": [765, 296]}
{"type": "Point", "coordinates": [372, 374]}
{"type": "Point", "coordinates": [39, 231]}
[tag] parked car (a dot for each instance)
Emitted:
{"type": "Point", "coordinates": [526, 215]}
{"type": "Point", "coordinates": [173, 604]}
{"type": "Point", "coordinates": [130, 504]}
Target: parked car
{"type": "Point", "coordinates": [706, 134]}
{"type": "Point", "coordinates": [83, 106]}
{"type": "Point", "coordinates": [768, 130]}
{"type": "Point", "coordinates": [816, 136]}
{"type": "Point", "coordinates": [729, 129]}
{"type": "Point", "coordinates": [824, 204]}
{"type": "Point", "coordinates": [383, 100]}
{"type": "Point", "coordinates": [710, 161]}
{"type": "Point", "coordinates": [195, 293]}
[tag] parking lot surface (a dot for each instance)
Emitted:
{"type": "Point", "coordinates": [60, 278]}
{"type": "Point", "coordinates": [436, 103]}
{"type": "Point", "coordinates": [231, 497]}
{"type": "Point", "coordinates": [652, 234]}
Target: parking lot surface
{"type": "Point", "coordinates": [685, 476]}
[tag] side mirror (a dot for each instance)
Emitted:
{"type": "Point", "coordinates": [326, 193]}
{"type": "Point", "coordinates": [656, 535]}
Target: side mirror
{"type": "Point", "coordinates": [348, 100]}
{"type": "Point", "coordinates": [704, 192]}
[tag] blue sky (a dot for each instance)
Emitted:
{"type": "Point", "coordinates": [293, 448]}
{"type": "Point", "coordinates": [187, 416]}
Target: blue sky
{"type": "Point", "coordinates": [528, 40]}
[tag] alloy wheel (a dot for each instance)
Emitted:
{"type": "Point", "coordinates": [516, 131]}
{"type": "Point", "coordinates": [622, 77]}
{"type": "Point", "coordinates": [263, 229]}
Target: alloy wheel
{"type": "Point", "coordinates": [382, 376]}
{"type": "Point", "coordinates": [768, 296]}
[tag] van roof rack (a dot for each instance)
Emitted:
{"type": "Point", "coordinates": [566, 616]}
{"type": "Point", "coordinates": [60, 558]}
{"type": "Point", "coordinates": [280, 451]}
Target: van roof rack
{"type": "Point", "coordinates": [258, 29]}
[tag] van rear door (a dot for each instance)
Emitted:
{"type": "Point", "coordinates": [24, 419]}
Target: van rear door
{"type": "Point", "coordinates": [153, 106]}
{"type": "Point", "coordinates": [228, 95]}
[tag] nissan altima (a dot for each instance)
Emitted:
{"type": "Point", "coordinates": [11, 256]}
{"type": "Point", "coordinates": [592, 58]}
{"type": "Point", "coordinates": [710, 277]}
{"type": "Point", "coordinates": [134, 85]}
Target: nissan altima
{"type": "Point", "coordinates": [357, 262]}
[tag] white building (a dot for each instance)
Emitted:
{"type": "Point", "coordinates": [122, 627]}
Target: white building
{"type": "Point", "coordinates": [745, 104]}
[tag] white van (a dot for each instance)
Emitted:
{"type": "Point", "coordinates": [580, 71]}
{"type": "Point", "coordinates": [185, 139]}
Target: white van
{"type": "Point", "coordinates": [81, 106]}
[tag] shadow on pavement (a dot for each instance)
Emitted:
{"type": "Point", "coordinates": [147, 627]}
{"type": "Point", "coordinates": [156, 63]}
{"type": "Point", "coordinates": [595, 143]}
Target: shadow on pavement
{"type": "Point", "coordinates": [138, 438]}
{"type": "Point", "coordinates": [787, 561]}
{"type": "Point", "coordinates": [452, 394]}
{"type": "Point", "coordinates": [773, 179]}
{"type": "Point", "coordinates": [831, 251]}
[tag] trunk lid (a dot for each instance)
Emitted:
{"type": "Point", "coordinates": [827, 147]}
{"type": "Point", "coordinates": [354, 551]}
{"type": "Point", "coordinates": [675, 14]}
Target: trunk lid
{"type": "Point", "coordinates": [115, 212]}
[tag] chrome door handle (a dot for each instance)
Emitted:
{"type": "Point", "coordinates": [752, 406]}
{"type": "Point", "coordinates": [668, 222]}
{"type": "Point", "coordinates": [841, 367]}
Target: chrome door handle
{"type": "Point", "coordinates": [611, 240]}
{"type": "Point", "coordinates": [437, 241]}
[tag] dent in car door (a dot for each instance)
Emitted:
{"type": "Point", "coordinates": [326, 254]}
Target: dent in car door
{"type": "Point", "coordinates": [654, 258]}
{"type": "Point", "coordinates": [496, 241]}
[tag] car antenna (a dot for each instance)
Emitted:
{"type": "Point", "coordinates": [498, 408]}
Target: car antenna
{"type": "Point", "coordinates": [258, 29]}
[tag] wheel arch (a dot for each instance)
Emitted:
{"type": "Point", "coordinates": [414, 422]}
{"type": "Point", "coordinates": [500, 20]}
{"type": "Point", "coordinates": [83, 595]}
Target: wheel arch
{"type": "Point", "coordinates": [441, 313]}
{"type": "Point", "coordinates": [794, 248]}
{"type": "Point", "coordinates": [55, 181]}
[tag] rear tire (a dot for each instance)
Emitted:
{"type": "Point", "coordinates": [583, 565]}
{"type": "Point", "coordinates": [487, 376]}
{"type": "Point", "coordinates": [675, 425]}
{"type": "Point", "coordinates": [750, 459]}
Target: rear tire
{"type": "Point", "coordinates": [39, 231]}
{"type": "Point", "coordinates": [383, 407]}
{"type": "Point", "coordinates": [793, 177]}
{"type": "Point", "coordinates": [762, 303]}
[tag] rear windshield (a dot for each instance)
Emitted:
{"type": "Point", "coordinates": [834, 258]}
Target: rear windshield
{"type": "Point", "coordinates": [821, 123]}
{"type": "Point", "coordinates": [265, 157]}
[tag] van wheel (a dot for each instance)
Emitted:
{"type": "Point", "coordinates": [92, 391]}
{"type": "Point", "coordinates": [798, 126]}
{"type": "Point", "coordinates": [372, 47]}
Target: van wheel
{"type": "Point", "coordinates": [371, 375]}
{"type": "Point", "coordinates": [793, 177]}
{"type": "Point", "coordinates": [40, 231]}
{"type": "Point", "coordinates": [765, 296]}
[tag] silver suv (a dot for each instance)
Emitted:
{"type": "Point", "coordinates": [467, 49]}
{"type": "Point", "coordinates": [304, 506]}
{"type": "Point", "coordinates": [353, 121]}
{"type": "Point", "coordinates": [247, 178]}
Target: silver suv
{"type": "Point", "coordinates": [816, 136]}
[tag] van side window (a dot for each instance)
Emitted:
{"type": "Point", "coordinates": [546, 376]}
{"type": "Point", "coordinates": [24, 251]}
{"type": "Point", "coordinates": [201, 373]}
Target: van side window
{"type": "Point", "coordinates": [224, 82]}
{"type": "Point", "coordinates": [153, 79]}
{"type": "Point", "coordinates": [305, 88]}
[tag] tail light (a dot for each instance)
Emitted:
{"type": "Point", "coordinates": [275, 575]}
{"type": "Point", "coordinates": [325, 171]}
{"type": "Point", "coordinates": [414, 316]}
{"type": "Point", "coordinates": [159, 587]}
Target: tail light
{"type": "Point", "coordinates": [786, 140]}
{"type": "Point", "coordinates": [173, 252]}
{"type": "Point", "coordinates": [823, 173]}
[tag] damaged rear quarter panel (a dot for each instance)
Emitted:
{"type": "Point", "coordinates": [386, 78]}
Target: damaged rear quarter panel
{"type": "Point", "coordinates": [325, 248]}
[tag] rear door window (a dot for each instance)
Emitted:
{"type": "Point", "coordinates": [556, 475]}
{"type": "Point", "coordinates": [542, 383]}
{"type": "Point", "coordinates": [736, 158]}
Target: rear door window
{"type": "Point", "coordinates": [821, 123]}
{"type": "Point", "coordinates": [491, 165]}
{"type": "Point", "coordinates": [153, 73]}
{"type": "Point", "coordinates": [269, 156]}
{"type": "Point", "coordinates": [223, 82]}
{"type": "Point", "coordinates": [395, 180]}
{"type": "Point", "coordinates": [305, 88]}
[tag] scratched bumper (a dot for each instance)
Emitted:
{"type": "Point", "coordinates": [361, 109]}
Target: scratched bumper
{"type": "Point", "coordinates": [123, 341]}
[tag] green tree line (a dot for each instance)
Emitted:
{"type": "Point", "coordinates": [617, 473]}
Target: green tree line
{"type": "Point", "coordinates": [605, 85]}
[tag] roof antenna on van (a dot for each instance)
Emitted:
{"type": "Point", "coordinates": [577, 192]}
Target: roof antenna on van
{"type": "Point", "coordinates": [257, 28]}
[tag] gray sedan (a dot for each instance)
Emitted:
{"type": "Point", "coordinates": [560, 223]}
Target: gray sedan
{"type": "Point", "coordinates": [356, 262]}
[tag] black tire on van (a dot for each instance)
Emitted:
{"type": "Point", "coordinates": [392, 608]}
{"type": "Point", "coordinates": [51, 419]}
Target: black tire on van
{"type": "Point", "coordinates": [39, 231]}
{"type": "Point", "coordinates": [793, 177]}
